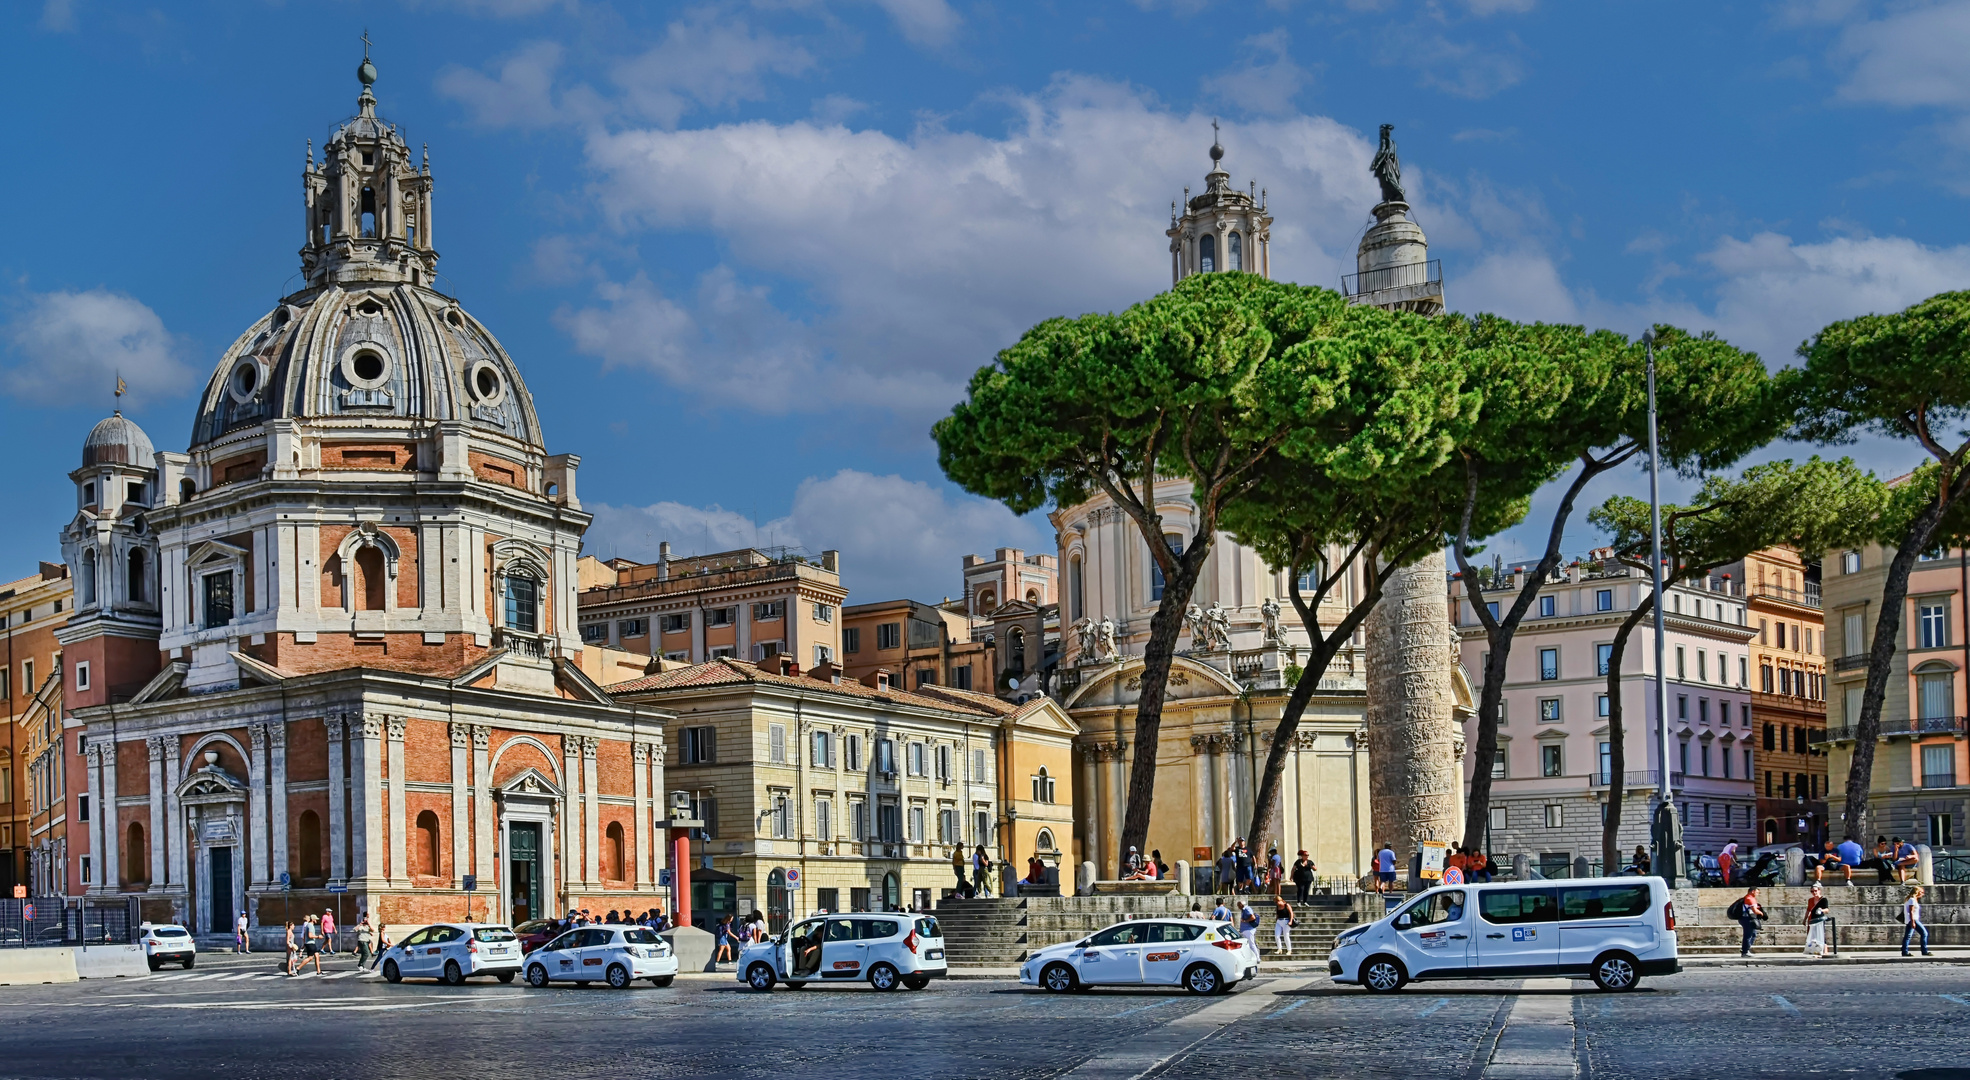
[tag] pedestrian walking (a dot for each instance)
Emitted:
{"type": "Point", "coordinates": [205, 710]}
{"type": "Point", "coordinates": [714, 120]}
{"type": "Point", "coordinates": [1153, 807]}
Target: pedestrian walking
{"type": "Point", "coordinates": [1912, 920]}
{"type": "Point", "coordinates": [1248, 925]}
{"type": "Point", "coordinates": [383, 944]}
{"type": "Point", "coordinates": [1221, 913]}
{"type": "Point", "coordinates": [724, 941]}
{"type": "Point", "coordinates": [328, 931]}
{"type": "Point", "coordinates": [240, 944]}
{"type": "Point", "coordinates": [1384, 868]}
{"type": "Point", "coordinates": [365, 941]}
{"type": "Point", "coordinates": [1747, 911]}
{"type": "Point", "coordinates": [288, 967]}
{"type": "Point", "coordinates": [1303, 872]}
{"type": "Point", "coordinates": [1228, 870]}
{"type": "Point", "coordinates": [1816, 906]}
{"type": "Point", "coordinates": [981, 871]}
{"type": "Point", "coordinates": [963, 887]}
{"type": "Point", "coordinates": [1275, 870]}
{"type": "Point", "coordinates": [310, 944]}
{"type": "Point", "coordinates": [1282, 926]}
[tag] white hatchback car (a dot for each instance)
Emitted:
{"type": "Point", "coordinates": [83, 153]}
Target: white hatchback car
{"type": "Point", "coordinates": [1200, 955]}
{"type": "Point", "coordinates": [453, 953]}
{"type": "Point", "coordinates": [885, 949]}
{"type": "Point", "coordinates": [618, 954]}
{"type": "Point", "coordinates": [1612, 930]}
{"type": "Point", "coordinates": [166, 943]}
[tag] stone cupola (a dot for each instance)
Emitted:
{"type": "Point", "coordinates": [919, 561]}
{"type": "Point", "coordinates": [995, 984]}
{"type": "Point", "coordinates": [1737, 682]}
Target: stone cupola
{"type": "Point", "coordinates": [1221, 229]}
{"type": "Point", "coordinates": [368, 205]}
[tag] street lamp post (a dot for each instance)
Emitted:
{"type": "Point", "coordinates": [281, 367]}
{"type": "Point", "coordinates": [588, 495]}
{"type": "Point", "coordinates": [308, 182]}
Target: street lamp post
{"type": "Point", "coordinates": [1667, 829]}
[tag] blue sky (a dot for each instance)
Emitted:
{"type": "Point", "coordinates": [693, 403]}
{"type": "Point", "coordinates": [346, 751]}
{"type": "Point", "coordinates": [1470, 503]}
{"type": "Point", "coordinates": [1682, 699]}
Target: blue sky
{"type": "Point", "coordinates": [746, 253]}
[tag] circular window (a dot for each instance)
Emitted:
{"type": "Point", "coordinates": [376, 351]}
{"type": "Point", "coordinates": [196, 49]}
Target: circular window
{"type": "Point", "coordinates": [455, 319]}
{"type": "Point", "coordinates": [366, 365]}
{"type": "Point", "coordinates": [245, 381]}
{"type": "Point", "coordinates": [488, 388]}
{"type": "Point", "coordinates": [370, 307]}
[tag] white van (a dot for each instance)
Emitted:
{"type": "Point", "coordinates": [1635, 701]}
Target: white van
{"type": "Point", "coordinates": [1612, 930]}
{"type": "Point", "coordinates": [884, 949]}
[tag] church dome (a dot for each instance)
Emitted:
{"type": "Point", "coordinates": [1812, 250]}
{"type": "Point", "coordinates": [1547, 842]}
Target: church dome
{"type": "Point", "coordinates": [117, 440]}
{"type": "Point", "coordinates": [364, 355]}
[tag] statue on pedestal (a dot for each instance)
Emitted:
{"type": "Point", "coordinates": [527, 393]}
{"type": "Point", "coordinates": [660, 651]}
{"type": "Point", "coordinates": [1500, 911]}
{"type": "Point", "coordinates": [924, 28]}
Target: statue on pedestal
{"type": "Point", "coordinates": [1200, 628]}
{"type": "Point", "coordinates": [1104, 642]}
{"type": "Point", "coordinates": [1218, 630]}
{"type": "Point", "coordinates": [1387, 169]}
{"type": "Point", "coordinates": [1269, 611]}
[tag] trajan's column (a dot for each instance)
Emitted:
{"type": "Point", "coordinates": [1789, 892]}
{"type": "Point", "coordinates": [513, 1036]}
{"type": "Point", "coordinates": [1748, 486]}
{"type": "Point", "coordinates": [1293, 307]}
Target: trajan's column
{"type": "Point", "coordinates": [1415, 737]}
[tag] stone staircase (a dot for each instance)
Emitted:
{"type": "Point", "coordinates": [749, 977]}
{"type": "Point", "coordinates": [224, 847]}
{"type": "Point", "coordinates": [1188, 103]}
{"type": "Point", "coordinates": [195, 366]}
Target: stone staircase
{"type": "Point", "coordinates": [1866, 916]}
{"type": "Point", "coordinates": [1002, 932]}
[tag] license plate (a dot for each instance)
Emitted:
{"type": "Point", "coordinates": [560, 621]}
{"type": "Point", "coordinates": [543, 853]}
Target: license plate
{"type": "Point", "coordinates": [934, 954]}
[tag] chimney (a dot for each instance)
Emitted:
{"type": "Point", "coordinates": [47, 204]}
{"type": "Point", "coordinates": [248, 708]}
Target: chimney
{"type": "Point", "coordinates": [831, 561]}
{"type": "Point", "coordinates": [827, 671]}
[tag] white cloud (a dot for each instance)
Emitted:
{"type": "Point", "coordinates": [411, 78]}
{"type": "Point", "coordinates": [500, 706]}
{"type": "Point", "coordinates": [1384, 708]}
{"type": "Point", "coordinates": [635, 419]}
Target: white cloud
{"type": "Point", "coordinates": [1264, 80]}
{"type": "Point", "coordinates": [898, 537]}
{"type": "Point", "coordinates": [1775, 292]}
{"type": "Point", "coordinates": [1463, 68]}
{"type": "Point", "coordinates": [69, 347]}
{"type": "Point", "coordinates": [58, 16]}
{"type": "Point", "coordinates": [922, 22]}
{"type": "Point", "coordinates": [917, 258]}
{"type": "Point", "coordinates": [1913, 56]}
{"type": "Point", "coordinates": [520, 94]}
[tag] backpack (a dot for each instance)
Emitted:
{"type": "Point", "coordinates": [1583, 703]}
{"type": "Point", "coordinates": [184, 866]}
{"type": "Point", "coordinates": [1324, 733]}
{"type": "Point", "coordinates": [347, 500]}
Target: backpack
{"type": "Point", "coordinates": [1736, 910]}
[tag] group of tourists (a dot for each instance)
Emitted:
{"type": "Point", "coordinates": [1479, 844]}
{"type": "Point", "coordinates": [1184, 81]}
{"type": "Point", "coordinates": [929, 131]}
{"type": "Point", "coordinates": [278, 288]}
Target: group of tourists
{"type": "Point", "coordinates": [980, 864]}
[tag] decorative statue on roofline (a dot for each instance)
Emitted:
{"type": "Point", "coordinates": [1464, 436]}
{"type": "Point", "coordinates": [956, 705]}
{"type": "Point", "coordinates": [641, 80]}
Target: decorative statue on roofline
{"type": "Point", "coordinates": [1387, 169]}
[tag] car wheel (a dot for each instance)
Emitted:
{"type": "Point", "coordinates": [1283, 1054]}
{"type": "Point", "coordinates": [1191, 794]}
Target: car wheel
{"type": "Point", "coordinates": [883, 977]}
{"type": "Point", "coordinates": [760, 976]}
{"type": "Point", "coordinates": [792, 985]}
{"type": "Point", "coordinates": [537, 976]}
{"type": "Point", "coordinates": [1058, 978]}
{"type": "Point", "coordinates": [916, 982]}
{"type": "Point", "coordinates": [154, 963]}
{"type": "Point", "coordinates": [618, 977]}
{"type": "Point", "coordinates": [665, 980]}
{"type": "Point", "coordinates": [1616, 972]}
{"type": "Point", "coordinates": [504, 977]}
{"type": "Point", "coordinates": [391, 972]}
{"type": "Point", "coordinates": [453, 976]}
{"type": "Point", "coordinates": [189, 961]}
{"type": "Point", "coordinates": [1382, 975]}
{"type": "Point", "coordinates": [1203, 979]}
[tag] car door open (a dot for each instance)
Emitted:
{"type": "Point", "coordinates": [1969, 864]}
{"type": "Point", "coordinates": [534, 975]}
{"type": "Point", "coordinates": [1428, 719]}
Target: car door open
{"type": "Point", "coordinates": [1518, 931]}
{"type": "Point", "coordinates": [804, 942]}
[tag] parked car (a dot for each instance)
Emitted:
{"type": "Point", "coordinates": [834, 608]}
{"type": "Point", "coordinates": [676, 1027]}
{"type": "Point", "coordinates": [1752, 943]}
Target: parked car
{"type": "Point", "coordinates": [1612, 930]}
{"type": "Point", "coordinates": [617, 954]}
{"type": "Point", "coordinates": [454, 952]}
{"type": "Point", "coordinates": [885, 949]}
{"type": "Point", "coordinates": [536, 932]}
{"type": "Point", "coordinates": [167, 943]}
{"type": "Point", "coordinates": [1202, 956]}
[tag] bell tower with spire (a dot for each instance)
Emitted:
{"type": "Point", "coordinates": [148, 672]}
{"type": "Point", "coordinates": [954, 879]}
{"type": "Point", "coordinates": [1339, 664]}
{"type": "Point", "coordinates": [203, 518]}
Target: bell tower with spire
{"type": "Point", "coordinates": [368, 204]}
{"type": "Point", "coordinates": [1222, 229]}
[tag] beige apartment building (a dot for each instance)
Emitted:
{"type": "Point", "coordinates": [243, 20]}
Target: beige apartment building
{"type": "Point", "coordinates": [746, 604]}
{"type": "Point", "coordinates": [822, 793]}
{"type": "Point", "coordinates": [1788, 694]}
{"type": "Point", "coordinates": [911, 644]}
{"type": "Point", "coordinates": [36, 777]}
{"type": "Point", "coordinates": [1921, 781]}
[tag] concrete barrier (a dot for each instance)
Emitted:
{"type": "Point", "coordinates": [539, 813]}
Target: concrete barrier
{"type": "Point", "coordinates": [1925, 867]}
{"type": "Point", "coordinates": [693, 947]}
{"type": "Point", "coordinates": [1084, 878]}
{"type": "Point", "coordinates": [22, 967]}
{"type": "Point", "coordinates": [1795, 866]}
{"type": "Point", "coordinates": [110, 961]}
{"type": "Point", "coordinates": [1183, 877]}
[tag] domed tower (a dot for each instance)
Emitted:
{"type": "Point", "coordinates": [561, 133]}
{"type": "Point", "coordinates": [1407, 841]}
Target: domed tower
{"type": "Point", "coordinates": [1222, 229]}
{"type": "Point", "coordinates": [110, 642]}
{"type": "Point", "coordinates": [367, 481]}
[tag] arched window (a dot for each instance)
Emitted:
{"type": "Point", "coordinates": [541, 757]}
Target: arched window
{"type": "Point", "coordinates": [522, 603]}
{"type": "Point", "coordinates": [1234, 253]}
{"type": "Point", "coordinates": [370, 579]}
{"type": "Point", "coordinates": [139, 578]}
{"type": "Point", "coordinates": [1044, 841]}
{"type": "Point", "coordinates": [1032, 596]}
{"type": "Point", "coordinates": [987, 600]}
{"type": "Point", "coordinates": [612, 853]}
{"type": "Point", "coordinates": [1175, 542]}
{"type": "Point", "coordinates": [87, 586]}
{"type": "Point", "coordinates": [424, 848]}
{"type": "Point", "coordinates": [310, 829]}
{"type": "Point", "coordinates": [187, 488]}
{"type": "Point", "coordinates": [892, 894]}
{"type": "Point", "coordinates": [1207, 253]}
{"type": "Point", "coordinates": [138, 855]}
{"type": "Point", "coordinates": [369, 212]}
{"type": "Point", "coordinates": [1043, 786]}
{"type": "Point", "coordinates": [1016, 650]}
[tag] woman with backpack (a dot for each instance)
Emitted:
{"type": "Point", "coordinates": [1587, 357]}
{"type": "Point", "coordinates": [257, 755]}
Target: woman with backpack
{"type": "Point", "coordinates": [1748, 913]}
{"type": "Point", "coordinates": [1816, 916]}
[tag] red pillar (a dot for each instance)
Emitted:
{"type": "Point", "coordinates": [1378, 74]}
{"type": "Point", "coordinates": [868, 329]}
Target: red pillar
{"type": "Point", "coordinates": [680, 875]}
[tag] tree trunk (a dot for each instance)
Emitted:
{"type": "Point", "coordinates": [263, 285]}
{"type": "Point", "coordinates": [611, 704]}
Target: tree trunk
{"type": "Point", "coordinates": [1617, 754]}
{"type": "Point", "coordinates": [1157, 653]}
{"type": "Point", "coordinates": [1880, 665]}
{"type": "Point", "coordinates": [1413, 768]}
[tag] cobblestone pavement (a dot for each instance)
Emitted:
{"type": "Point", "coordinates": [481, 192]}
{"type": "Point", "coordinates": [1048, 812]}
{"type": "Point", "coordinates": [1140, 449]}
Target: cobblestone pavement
{"type": "Point", "coordinates": [231, 1019]}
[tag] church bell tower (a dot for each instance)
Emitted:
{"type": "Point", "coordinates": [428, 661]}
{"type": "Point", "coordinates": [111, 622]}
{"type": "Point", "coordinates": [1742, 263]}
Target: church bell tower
{"type": "Point", "coordinates": [1222, 229]}
{"type": "Point", "coordinates": [368, 205]}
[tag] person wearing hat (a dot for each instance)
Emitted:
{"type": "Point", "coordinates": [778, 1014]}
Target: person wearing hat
{"type": "Point", "coordinates": [1303, 873]}
{"type": "Point", "coordinates": [1815, 922]}
{"type": "Point", "coordinates": [1134, 868]}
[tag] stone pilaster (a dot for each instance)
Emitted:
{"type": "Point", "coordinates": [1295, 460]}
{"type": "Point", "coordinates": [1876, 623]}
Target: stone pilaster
{"type": "Point", "coordinates": [367, 830]}
{"type": "Point", "coordinates": [338, 800]}
{"type": "Point", "coordinates": [158, 867]}
{"type": "Point", "coordinates": [277, 790]}
{"type": "Point", "coordinates": [640, 756]}
{"type": "Point", "coordinates": [591, 817]}
{"type": "Point", "coordinates": [260, 849]}
{"type": "Point", "coordinates": [400, 831]}
{"type": "Point", "coordinates": [482, 806]}
{"type": "Point", "coordinates": [461, 833]}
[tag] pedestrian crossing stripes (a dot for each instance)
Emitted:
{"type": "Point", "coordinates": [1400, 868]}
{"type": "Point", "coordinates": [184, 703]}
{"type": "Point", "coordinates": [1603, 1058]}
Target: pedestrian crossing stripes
{"type": "Point", "coordinates": [220, 976]}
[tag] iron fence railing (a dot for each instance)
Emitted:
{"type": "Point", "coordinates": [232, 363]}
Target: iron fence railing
{"type": "Point", "coordinates": [1951, 868]}
{"type": "Point", "coordinates": [68, 921]}
{"type": "Point", "coordinates": [1394, 277]}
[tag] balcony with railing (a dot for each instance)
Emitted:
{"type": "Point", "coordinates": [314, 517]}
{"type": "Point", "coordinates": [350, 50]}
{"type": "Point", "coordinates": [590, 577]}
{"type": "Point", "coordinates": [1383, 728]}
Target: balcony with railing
{"type": "Point", "coordinates": [1630, 781]}
{"type": "Point", "coordinates": [537, 646]}
{"type": "Point", "coordinates": [1850, 663]}
{"type": "Point", "coordinates": [1395, 284]}
{"type": "Point", "coordinates": [1905, 726]}
{"type": "Point", "coordinates": [1808, 597]}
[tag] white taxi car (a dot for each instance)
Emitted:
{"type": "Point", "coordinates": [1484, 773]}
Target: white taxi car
{"type": "Point", "coordinates": [618, 954]}
{"type": "Point", "coordinates": [1200, 955]}
{"type": "Point", "coordinates": [166, 943]}
{"type": "Point", "coordinates": [453, 953]}
{"type": "Point", "coordinates": [885, 949]}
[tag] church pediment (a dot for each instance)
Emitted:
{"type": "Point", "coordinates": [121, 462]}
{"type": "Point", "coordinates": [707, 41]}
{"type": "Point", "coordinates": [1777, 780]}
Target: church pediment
{"type": "Point", "coordinates": [529, 784]}
{"type": "Point", "coordinates": [1045, 716]}
{"type": "Point", "coordinates": [1121, 684]}
{"type": "Point", "coordinates": [211, 784]}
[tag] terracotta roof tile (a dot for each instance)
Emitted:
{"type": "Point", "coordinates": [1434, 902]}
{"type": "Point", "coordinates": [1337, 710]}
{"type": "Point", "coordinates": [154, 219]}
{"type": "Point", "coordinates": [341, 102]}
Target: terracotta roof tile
{"type": "Point", "coordinates": [726, 671]}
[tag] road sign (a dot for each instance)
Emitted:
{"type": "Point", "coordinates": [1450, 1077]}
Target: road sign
{"type": "Point", "coordinates": [1453, 876]}
{"type": "Point", "coordinates": [663, 877]}
{"type": "Point", "coordinates": [793, 878]}
{"type": "Point", "coordinates": [471, 883]}
{"type": "Point", "coordinates": [20, 892]}
{"type": "Point", "coordinates": [286, 880]}
{"type": "Point", "coordinates": [338, 886]}
{"type": "Point", "coordinates": [27, 912]}
{"type": "Point", "coordinates": [1433, 854]}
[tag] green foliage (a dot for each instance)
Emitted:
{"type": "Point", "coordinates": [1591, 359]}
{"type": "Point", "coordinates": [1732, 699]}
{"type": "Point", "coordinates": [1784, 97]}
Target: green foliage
{"type": "Point", "coordinates": [1905, 375]}
{"type": "Point", "coordinates": [1291, 675]}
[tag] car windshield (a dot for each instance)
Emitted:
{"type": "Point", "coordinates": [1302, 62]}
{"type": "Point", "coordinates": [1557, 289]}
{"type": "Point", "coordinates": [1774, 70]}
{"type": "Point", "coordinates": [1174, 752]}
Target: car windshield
{"type": "Point", "coordinates": [641, 936]}
{"type": "Point", "coordinates": [169, 931]}
{"type": "Point", "coordinates": [493, 933]}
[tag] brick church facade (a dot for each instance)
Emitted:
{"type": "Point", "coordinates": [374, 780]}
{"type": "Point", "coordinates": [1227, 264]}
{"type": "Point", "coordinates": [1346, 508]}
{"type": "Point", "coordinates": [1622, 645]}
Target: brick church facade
{"type": "Point", "coordinates": [327, 657]}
